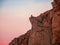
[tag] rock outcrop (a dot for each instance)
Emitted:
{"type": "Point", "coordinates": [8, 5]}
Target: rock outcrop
{"type": "Point", "coordinates": [45, 28]}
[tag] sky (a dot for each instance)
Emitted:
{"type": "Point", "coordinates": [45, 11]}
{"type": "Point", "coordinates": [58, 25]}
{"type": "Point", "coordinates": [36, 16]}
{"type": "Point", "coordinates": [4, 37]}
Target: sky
{"type": "Point", "coordinates": [14, 17]}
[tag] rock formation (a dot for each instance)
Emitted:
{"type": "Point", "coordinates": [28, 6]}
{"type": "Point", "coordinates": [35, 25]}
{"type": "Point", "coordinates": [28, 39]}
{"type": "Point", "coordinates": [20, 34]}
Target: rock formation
{"type": "Point", "coordinates": [45, 28]}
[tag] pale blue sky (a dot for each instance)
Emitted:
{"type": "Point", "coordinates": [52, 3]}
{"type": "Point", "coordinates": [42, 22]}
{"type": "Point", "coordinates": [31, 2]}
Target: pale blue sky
{"type": "Point", "coordinates": [20, 5]}
{"type": "Point", "coordinates": [26, 0]}
{"type": "Point", "coordinates": [4, 3]}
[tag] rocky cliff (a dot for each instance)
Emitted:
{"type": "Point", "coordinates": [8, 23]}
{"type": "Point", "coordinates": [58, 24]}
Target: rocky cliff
{"type": "Point", "coordinates": [45, 28]}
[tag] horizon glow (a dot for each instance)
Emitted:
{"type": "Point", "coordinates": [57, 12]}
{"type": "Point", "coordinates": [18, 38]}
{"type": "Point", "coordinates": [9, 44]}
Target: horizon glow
{"type": "Point", "coordinates": [14, 17]}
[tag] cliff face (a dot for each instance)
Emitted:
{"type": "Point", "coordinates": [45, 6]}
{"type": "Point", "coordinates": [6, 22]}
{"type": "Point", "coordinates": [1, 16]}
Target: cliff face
{"type": "Point", "coordinates": [45, 29]}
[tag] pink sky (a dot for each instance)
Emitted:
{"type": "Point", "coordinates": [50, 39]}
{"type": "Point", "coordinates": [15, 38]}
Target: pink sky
{"type": "Point", "coordinates": [14, 21]}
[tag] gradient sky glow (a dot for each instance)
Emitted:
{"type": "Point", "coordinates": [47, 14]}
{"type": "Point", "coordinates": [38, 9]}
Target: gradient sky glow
{"type": "Point", "coordinates": [14, 17]}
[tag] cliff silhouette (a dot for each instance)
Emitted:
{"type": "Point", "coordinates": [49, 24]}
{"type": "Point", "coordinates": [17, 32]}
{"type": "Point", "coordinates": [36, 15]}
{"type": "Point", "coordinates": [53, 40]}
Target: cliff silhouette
{"type": "Point", "coordinates": [45, 28]}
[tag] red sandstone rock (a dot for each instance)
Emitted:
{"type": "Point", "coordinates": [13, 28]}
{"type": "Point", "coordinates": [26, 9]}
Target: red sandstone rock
{"type": "Point", "coordinates": [45, 29]}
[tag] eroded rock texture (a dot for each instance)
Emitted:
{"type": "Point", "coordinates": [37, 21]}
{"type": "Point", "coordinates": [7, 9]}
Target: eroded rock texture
{"type": "Point", "coordinates": [45, 28]}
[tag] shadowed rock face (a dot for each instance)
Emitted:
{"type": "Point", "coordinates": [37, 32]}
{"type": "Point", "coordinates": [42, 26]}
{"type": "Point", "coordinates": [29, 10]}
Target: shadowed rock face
{"type": "Point", "coordinates": [57, 2]}
{"type": "Point", "coordinates": [45, 29]}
